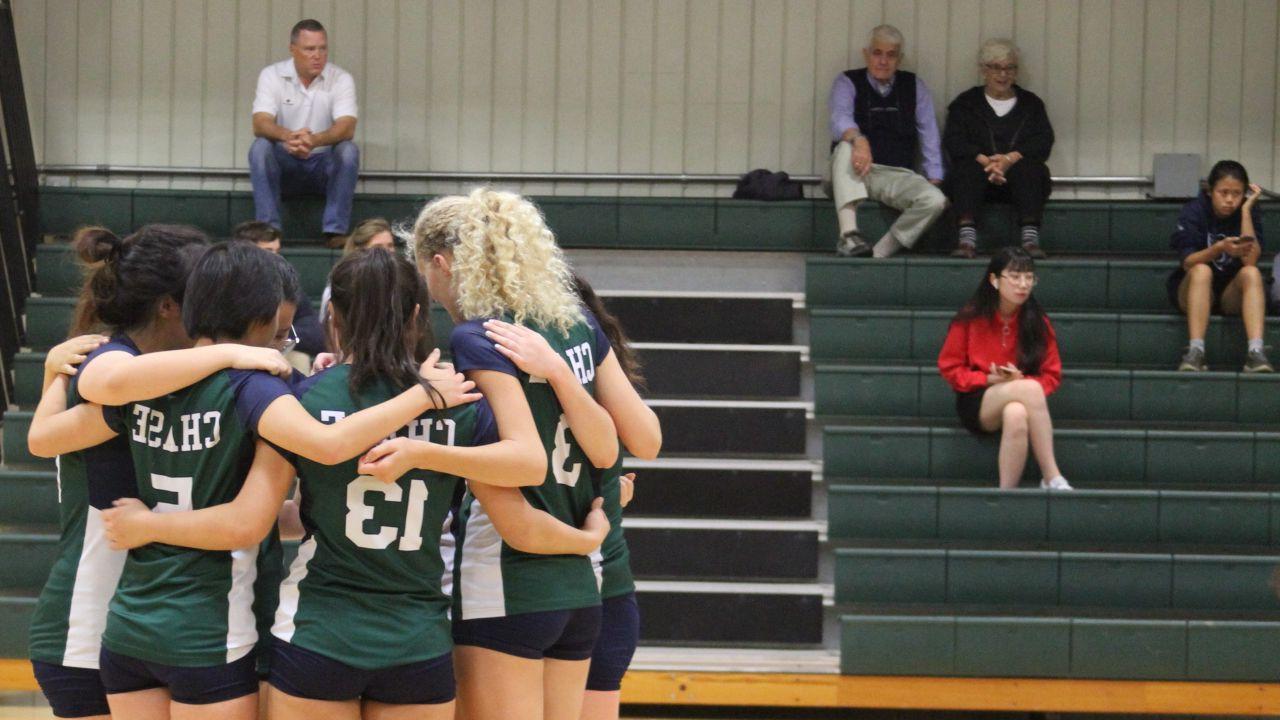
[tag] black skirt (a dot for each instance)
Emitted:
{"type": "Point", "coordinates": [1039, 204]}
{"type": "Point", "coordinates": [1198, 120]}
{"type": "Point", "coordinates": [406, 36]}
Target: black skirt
{"type": "Point", "coordinates": [968, 405]}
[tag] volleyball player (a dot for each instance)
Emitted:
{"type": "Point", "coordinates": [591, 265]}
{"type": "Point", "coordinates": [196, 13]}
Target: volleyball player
{"type": "Point", "coordinates": [134, 290]}
{"type": "Point", "coordinates": [524, 625]}
{"type": "Point", "coordinates": [641, 434]}
{"type": "Point", "coordinates": [181, 627]}
{"type": "Point", "coordinates": [363, 628]}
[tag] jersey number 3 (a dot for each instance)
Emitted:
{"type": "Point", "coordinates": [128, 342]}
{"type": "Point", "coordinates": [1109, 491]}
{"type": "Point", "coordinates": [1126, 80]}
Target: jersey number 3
{"type": "Point", "coordinates": [358, 512]}
{"type": "Point", "coordinates": [560, 455]}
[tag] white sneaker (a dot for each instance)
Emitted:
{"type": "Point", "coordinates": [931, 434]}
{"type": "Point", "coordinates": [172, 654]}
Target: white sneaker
{"type": "Point", "coordinates": [1055, 483]}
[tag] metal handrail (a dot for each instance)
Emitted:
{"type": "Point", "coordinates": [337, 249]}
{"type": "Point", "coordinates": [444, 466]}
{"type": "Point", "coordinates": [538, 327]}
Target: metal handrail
{"type": "Point", "coordinates": [653, 178]}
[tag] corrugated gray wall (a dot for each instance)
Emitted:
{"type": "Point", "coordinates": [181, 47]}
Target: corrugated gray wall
{"type": "Point", "coordinates": [639, 85]}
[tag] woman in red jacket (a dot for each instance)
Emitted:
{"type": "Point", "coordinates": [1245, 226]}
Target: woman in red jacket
{"type": "Point", "coordinates": [1001, 358]}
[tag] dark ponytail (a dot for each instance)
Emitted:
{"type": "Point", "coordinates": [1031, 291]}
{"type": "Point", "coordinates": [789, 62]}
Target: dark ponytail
{"type": "Point", "coordinates": [1033, 327]}
{"type": "Point", "coordinates": [125, 279]}
{"type": "Point", "coordinates": [374, 295]}
{"type": "Point", "coordinates": [612, 329]}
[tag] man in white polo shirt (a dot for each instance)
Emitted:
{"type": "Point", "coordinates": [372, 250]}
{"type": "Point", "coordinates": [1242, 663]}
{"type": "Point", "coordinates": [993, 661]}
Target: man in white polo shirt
{"type": "Point", "coordinates": [304, 116]}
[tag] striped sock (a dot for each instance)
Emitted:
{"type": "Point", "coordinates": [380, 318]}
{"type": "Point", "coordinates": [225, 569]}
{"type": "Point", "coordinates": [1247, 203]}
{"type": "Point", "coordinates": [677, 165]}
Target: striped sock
{"type": "Point", "coordinates": [1030, 234]}
{"type": "Point", "coordinates": [968, 235]}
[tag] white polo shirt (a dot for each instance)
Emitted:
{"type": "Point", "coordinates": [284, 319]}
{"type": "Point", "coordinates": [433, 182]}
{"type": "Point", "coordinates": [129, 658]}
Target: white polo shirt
{"type": "Point", "coordinates": [280, 93]}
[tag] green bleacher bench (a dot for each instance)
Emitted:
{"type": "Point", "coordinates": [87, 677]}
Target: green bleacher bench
{"type": "Point", "coordinates": [1075, 284]}
{"type": "Point", "coordinates": [1012, 646]}
{"type": "Point", "coordinates": [1056, 578]}
{"type": "Point", "coordinates": [1084, 339]}
{"type": "Point", "coordinates": [1088, 456]}
{"type": "Point", "coordinates": [1120, 517]}
{"type": "Point", "coordinates": [1071, 227]}
{"type": "Point", "coordinates": [1150, 396]}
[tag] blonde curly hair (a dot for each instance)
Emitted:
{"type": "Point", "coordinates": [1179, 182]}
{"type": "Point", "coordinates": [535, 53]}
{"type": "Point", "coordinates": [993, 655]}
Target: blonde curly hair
{"type": "Point", "coordinates": [505, 259]}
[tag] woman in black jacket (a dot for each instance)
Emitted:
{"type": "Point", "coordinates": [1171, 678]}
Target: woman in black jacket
{"type": "Point", "coordinates": [997, 140]}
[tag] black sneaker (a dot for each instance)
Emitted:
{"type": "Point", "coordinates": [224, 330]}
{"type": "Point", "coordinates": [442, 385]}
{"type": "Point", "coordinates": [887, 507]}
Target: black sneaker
{"type": "Point", "coordinates": [1257, 362]}
{"type": "Point", "coordinates": [1193, 361]}
{"type": "Point", "coordinates": [852, 244]}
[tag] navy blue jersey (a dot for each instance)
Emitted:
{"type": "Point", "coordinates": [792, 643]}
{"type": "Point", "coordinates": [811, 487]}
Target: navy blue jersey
{"type": "Point", "coordinates": [66, 627]}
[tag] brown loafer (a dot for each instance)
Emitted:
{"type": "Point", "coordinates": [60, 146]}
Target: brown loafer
{"type": "Point", "coordinates": [965, 250]}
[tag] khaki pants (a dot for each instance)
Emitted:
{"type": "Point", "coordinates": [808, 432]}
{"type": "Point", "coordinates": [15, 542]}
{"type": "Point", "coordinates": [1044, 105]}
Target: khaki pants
{"type": "Point", "coordinates": [899, 188]}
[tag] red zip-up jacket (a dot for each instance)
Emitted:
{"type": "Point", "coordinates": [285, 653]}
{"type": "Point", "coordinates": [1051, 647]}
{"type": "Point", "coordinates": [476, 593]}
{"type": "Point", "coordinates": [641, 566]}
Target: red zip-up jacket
{"type": "Point", "coordinates": [972, 345]}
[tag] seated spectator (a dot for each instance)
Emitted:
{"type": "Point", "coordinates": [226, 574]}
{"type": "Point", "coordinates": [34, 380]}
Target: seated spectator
{"type": "Point", "coordinates": [371, 233]}
{"type": "Point", "coordinates": [304, 116]}
{"type": "Point", "coordinates": [1001, 358]}
{"type": "Point", "coordinates": [307, 337]}
{"type": "Point", "coordinates": [997, 140]}
{"type": "Point", "coordinates": [1219, 237]}
{"type": "Point", "coordinates": [881, 118]}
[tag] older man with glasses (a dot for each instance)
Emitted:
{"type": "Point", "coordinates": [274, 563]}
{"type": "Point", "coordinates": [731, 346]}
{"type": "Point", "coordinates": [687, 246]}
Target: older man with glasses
{"type": "Point", "coordinates": [997, 140]}
{"type": "Point", "coordinates": [881, 121]}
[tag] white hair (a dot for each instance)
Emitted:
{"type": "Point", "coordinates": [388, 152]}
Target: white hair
{"type": "Point", "coordinates": [888, 34]}
{"type": "Point", "coordinates": [998, 50]}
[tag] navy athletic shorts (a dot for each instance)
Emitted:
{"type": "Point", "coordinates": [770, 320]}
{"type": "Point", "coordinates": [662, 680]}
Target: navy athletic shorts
{"type": "Point", "coordinates": [555, 634]}
{"type": "Point", "coordinates": [72, 692]}
{"type": "Point", "coordinates": [303, 673]}
{"type": "Point", "coordinates": [187, 685]}
{"type": "Point", "coordinates": [619, 635]}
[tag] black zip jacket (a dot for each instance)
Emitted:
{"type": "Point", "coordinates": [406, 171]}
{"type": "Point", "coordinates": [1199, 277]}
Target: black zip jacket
{"type": "Point", "coordinates": [973, 127]}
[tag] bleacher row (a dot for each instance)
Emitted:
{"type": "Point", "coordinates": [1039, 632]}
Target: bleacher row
{"type": "Point", "coordinates": [1160, 566]}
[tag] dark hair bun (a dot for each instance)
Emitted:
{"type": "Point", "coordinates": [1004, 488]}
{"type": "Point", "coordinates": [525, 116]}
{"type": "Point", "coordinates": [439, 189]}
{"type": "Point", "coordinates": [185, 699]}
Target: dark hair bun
{"type": "Point", "coordinates": [95, 244]}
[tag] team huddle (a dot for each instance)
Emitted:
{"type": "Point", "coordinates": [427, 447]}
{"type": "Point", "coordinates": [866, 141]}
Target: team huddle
{"type": "Point", "coordinates": [462, 517]}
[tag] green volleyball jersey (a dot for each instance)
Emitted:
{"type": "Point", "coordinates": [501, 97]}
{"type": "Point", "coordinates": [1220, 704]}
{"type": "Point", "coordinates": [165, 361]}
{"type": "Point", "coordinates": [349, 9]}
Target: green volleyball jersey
{"type": "Point", "coordinates": [66, 627]}
{"type": "Point", "coordinates": [615, 557]}
{"type": "Point", "coordinates": [365, 589]}
{"type": "Point", "coordinates": [492, 578]}
{"type": "Point", "coordinates": [191, 450]}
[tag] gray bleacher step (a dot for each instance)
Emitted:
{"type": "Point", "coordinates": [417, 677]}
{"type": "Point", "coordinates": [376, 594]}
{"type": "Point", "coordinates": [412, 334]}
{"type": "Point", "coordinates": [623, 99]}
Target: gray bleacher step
{"type": "Point", "coordinates": [729, 318]}
{"type": "Point", "coordinates": [736, 660]}
{"type": "Point", "coordinates": [621, 270]}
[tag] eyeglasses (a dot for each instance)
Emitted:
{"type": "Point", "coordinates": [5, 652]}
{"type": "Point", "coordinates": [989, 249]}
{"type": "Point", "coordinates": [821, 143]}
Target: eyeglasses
{"type": "Point", "coordinates": [995, 69]}
{"type": "Point", "coordinates": [1023, 279]}
{"type": "Point", "coordinates": [291, 340]}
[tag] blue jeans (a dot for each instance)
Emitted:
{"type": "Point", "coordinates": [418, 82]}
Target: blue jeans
{"type": "Point", "coordinates": [332, 174]}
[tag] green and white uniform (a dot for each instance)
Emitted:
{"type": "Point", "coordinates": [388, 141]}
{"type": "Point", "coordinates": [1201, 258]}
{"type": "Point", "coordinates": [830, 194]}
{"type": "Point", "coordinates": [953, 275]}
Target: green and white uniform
{"type": "Point", "coordinates": [191, 450]}
{"type": "Point", "coordinates": [66, 627]}
{"type": "Point", "coordinates": [492, 579]}
{"type": "Point", "coordinates": [365, 589]}
{"type": "Point", "coordinates": [616, 578]}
